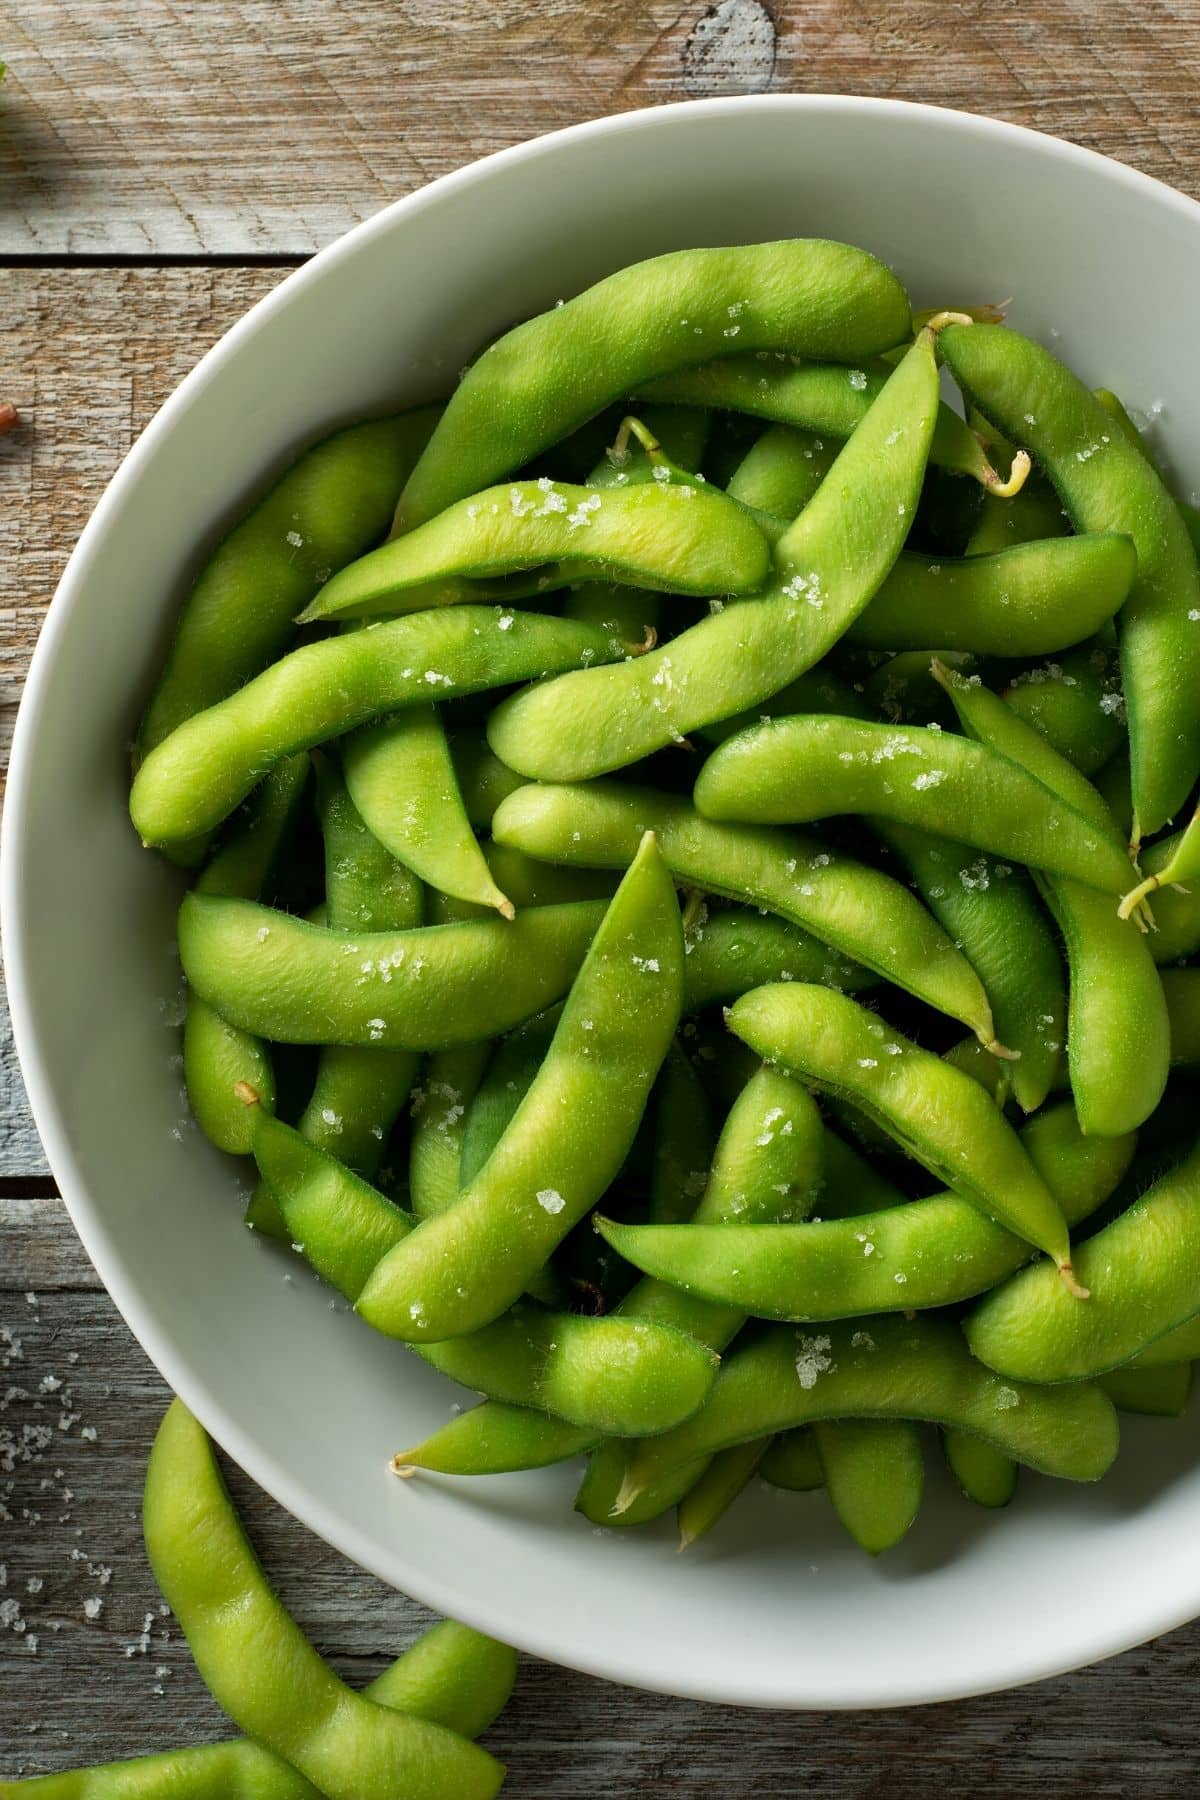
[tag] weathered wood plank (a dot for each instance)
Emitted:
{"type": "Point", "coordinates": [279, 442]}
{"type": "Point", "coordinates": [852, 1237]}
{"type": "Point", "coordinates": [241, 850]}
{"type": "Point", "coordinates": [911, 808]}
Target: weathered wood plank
{"type": "Point", "coordinates": [1117, 1730]}
{"type": "Point", "coordinates": [265, 126]}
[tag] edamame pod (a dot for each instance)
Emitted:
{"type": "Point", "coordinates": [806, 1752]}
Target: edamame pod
{"type": "Point", "coordinates": [217, 1055]}
{"type": "Point", "coordinates": [1022, 518]}
{"type": "Point", "coordinates": [495, 1439]}
{"type": "Point", "coordinates": [792, 771]}
{"type": "Point", "coordinates": [483, 780]}
{"type": "Point", "coordinates": [885, 1368]}
{"type": "Point", "coordinates": [874, 1474]}
{"type": "Point", "coordinates": [1118, 1033]}
{"type": "Point", "coordinates": [900, 1258]}
{"type": "Point", "coordinates": [435, 1147]}
{"type": "Point", "coordinates": [462, 1268]}
{"type": "Point", "coordinates": [853, 1185]}
{"type": "Point", "coordinates": [1176, 931]}
{"type": "Point", "coordinates": [824, 397]}
{"type": "Point", "coordinates": [241, 1637]}
{"type": "Point", "coordinates": [1180, 1345]}
{"type": "Point", "coordinates": [1106, 484]}
{"type": "Point", "coordinates": [401, 779]}
{"type": "Point", "coordinates": [452, 1676]}
{"type": "Point", "coordinates": [857, 910]}
{"type": "Point", "coordinates": [826, 572]}
{"type": "Point", "coordinates": [1181, 989]}
{"type": "Point", "coordinates": [730, 952]}
{"type": "Point", "coordinates": [195, 778]}
{"type": "Point", "coordinates": [991, 910]}
{"type": "Point", "coordinates": [544, 378]}
{"type": "Point", "coordinates": [1161, 1393]}
{"type": "Point", "coordinates": [1030, 600]}
{"type": "Point", "coordinates": [1182, 866]}
{"type": "Point", "coordinates": [782, 471]}
{"type": "Point", "coordinates": [427, 989]}
{"type": "Point", "coordinates": [674, 537]}
{"type": "Point", "coordinates": [1144, 1274]}
{"type": "Point", "coordinates": [792, 1462]}
{"type": "Point", "coordinates": [938, 1114]}
{"type": "Point", "coordinates": [984, 1473]}
{"type": "Point", "coordinates": [1075, 703]}
{"type": "Point", "coordinates": [331, 505]}
{"type": "Point", "coordinates": [683, 1141]}
{"type": "Point", "coordinates": [713, 1493]}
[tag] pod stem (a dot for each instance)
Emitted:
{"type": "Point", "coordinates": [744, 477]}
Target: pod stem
{"type": "Point", "coordinates": [1002, 1051]}
{"type": "Point", "coordinates": [400, 1464]}
{"type": "Point", "coordinates": [627, 1493]}
{"type": "Point", "coordinates": [249, 1096]}
{"type": "Point", "coordinates": [631, 426]}
{"type": "Point", "coordinates": [1022, 463]}
{"type": "Point", "coordinates": [1067, 1276]}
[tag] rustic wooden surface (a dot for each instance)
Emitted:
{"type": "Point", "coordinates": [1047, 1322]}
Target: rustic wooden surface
{"type": "Point", "coordinates": [160, 166]}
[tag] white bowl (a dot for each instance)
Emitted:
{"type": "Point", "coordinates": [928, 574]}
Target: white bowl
{"type": "Point", "coordinates": [777, 1609]}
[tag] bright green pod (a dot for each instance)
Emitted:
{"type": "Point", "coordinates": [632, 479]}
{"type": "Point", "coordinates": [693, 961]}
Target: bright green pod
{"type": "Point", "coordinates": [196, 777]}
{"type": "Point", "coordinates": [925, 1253]}
{"type": "Point", "coordinates": [627, 1376]}
{"type": "Point", "coordinates": [713, 1493]}
{"type": "Point", "coordinates": [1176, 910]}
{"type": "Point", "coordinates": [216, 1054]}
{"type": "Point", "coordinates": [401, 778]}
{"type": "Point", "coordinates": [818, 690]}
{"type": "Point", "coordinates": [1181, 989]}
{"type": "Point", "coordinates": [825, 574]}
{"type": "Point", "coordinates": [543, 379]}
{"type": "Point", "coordinates": [452, 1676]}
{"type": "Point", "coordinates": [426, 989]}
{"type": "Point", "coordinates": [857, 910]}
{"type": "Point", "coordinates": [1075, 702]}
{"type": "Point", "coordinates": [683, 1140]}
{"type": "Point", "coordinates": [509, 1076]}
{"type": "Point", "coordinates": [1113, 407]}
{"type": "Point", "coordinates": [1143, 1272]}
{"type": "Point", "coordinates": [1180, 867]}
{"type": "Point", "coordinates": [874, 1474]}
{"type": "Point", "coordinates": [984, 1474]}
{"type": "Point", "coordinates": [1030, 600]}
{"type": "Point", "coordinates": [462, 1268]}
{"type": "Point", "coordinates": [793, 771]}
{"type": "Point", "coordinates": [495, 1439]}
{"type": "Point", "coordinates": [331, 505]}
{"type": "Point", "coordinates": [674, 537]}
{"type": "Point", "coordinates": [256, 1661]}
{"type": "Point", "coordinates": [782, 471]}
{"type": "Point", "coordinates": [991, 910]}
{"type": "Point", "coordinates": [884, 1368]}
{"type": "Point", "coordinates": [439, 1123]}
{"type": "Point", "coordinates": [730, 952]}
{"type": "Point", "coordinates": [852, 1185]}
{"type": "Point", "coordinates": [1118, 1032]}
{"type": "Point", "coordinates": [1034, 512]}
{"type": "Point", "coordinates": [823, 397]}
{"type": "Point", "coordinates": [939, 1115]}
{"type": "Point", "coordinates": [483, 780]}
{"type": "Point", "coordinates": [1106, 484]}
{"type": "Point", "coordinates": [1161, 1393]}
{"type": "Point", "coordinates": [1177, 1346]}
{"type": "Point", "coordinates": [792, 1462]}
{"type": "Point", "coordinates": [901, 688]}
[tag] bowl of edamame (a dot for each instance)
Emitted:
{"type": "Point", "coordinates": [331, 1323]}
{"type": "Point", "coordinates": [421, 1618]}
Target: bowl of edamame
{"type": "Point", "coordinates": [644, 992]}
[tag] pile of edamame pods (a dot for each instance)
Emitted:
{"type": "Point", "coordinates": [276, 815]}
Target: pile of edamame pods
{"type": "Point", "coordinates": [692, 920]}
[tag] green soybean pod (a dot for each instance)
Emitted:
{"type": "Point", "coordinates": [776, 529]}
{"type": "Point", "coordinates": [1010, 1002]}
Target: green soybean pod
{"type": "Point", "coordinates": [883, 1368]}
{"type": "Point", "coordinates": [793, 771]}
{"type": "Point", "coordinates": [401, 778]}
{"type": "Point", "coordinates": [938, 1114]}
{"type": "Point", "coordinates": [426, 989]}
{"type": "Point", "coordinates": [435, 1147]}
{"type": "Point", "coordinates": [852, 1185]}
{"type": "Point", "coordinates": [496, 1439]}
{"type": "Point", "coordinates": [195, 778]}
{"type": "Point", "coordinates": [330, 506]}
{"type": "Point", "coordinates": [1144, 1274]}
{"type": "Point", "coordinates": [782, 470]}
{"type": "Point", "coordinates": [901, 688]}
{"type": "Point", "coordinates": [1116, 411]}
{"type": "Point", "coordinates": [730, 952]}
{"type": "Point", "coordinates": [1118, 1032]}
{"type": "Point", "coordinates": [824, 397]}
{"type": "Point", "coordinates": [1075, 703]}
{"type": "Point", "coordinates": [217, 1055]}
{"type": "Point", "coordinates": [874, 1474]}
{"type": "Point", "coordinates": [1106, 484]}
{"type": "Point", "coordinates": [991, 909]}
{"type": "Point", "coordinates": [672, 536]}
{"type": "Point", "coordinates": [1181, 989]}
{"type": "Point", "coordinates": [932, 1252]}
{"type": "Point", "coordinates": [462, 1268]}
{"type": "Point", "coordinates": [1177, 1346]}
{"type": "Point", "coordinates": [1162, 1392]}
{"type": "Point", "coordinates": [241, 1639]}
{"type": "Point", "coordinates": [1180, 867]}
{"type": "Point", "coordinates": [713, 1493]}
{"type": "Point", "coordinates": [984, 1473]}
{"type": "Point", "coordinates": [792, 1461]}
{"type": "Point", "coordinates": [826, 571]}
{"type": "Point", "coordinates": [1029, 600]}
{"type": "Point", "coordinates": [543, 379]}
{"type": "Point", "coordinates": [1022, 518]}
{"type": "Point", "coordinates": [509, 1076]}
{"type": "Point", "coordinates": [451, 1675]}
{"type": "Point", "coordinates": [992, 1073]}
{"type": "Point", "coordinates": [483, 780]}
{"type": "Point", "coordinates": [858, 911]}
{"type": "Point", "coordinates": [817, 690]}
{"type": "Point", "coordinates": [683, 1140]}
{"type": "Point", "coordinates": [1176, 931]}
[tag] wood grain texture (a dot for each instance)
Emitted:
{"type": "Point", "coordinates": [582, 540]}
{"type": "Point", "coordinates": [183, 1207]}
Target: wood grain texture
{"type": "Point", "coordinates": [269, 126]}
{"type": "Point", "coordinates": [1125, 1728]}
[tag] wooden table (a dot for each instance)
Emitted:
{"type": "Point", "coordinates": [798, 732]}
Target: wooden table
{"type": "Point", "coordinates": [161, 166]}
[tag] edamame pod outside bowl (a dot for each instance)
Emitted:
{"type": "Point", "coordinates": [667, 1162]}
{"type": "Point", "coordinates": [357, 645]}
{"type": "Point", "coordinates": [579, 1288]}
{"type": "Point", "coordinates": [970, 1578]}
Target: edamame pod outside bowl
{"type": "Point", "coordinates": [965, 210]}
